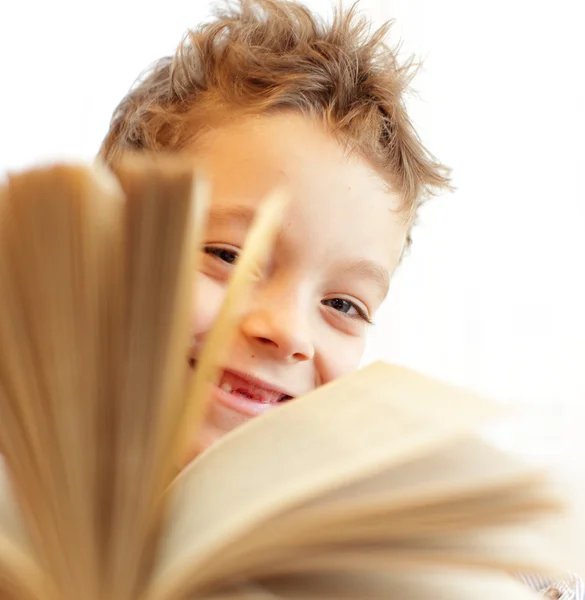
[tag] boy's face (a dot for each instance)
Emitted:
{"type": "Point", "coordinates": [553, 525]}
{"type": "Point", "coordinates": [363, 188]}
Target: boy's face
{"type": "Point", "coordinates": [336, 251]}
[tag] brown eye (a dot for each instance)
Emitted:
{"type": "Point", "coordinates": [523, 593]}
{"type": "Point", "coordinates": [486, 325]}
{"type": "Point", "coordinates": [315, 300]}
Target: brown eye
{"type": "Point", "coordinates": [225, 255]}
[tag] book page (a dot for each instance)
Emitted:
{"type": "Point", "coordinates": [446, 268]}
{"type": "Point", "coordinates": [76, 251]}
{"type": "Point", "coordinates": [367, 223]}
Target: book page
{"type": "Point", "coordinates": [504, 547]}
{"type": "Point", "coordinates": [417, 585]}
{"type": "Point", "coordinates": [19, 574]}
{"type": "Point", "coordinates": [300, 532]}
{"type": "Point", "coordinates": [513, 549]}
{"type": "Point", "coordinates": [468, 467]}
{"type": "Point", "coordinates": [11, 525]}
{"type": "Point", "coordinates": [441, 493]}
{"type": "Point", "coordinates": [347, 430]}
{"type": "Point", "coordinates": [509, 550]}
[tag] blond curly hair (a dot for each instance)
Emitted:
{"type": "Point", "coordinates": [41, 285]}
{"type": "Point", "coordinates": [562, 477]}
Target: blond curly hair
{"type": "Point", "coordinates": [263, 56]}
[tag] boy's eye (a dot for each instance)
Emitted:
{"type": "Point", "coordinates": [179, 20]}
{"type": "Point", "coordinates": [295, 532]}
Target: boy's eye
{"type": "Point", "coordinates": [224, 254]}
{"type": "Point", "coordinates": [348, 308]}
{"type": "Point", "coordinates": [340, 304]}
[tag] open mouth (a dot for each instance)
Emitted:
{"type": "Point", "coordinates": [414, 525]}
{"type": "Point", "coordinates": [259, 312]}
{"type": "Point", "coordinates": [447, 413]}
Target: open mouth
{"type": "Point", "coordinates": [248, 388]}
{"type": "Point", "coordinates": [232, 384]}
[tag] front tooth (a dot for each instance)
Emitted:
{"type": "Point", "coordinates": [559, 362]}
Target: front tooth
{"type": "Point", "coordinates": [226, 387]}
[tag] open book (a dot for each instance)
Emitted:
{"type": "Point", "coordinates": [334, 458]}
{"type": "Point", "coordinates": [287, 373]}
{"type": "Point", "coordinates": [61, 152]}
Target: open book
{"type": "Point", "coordinates": [373, 486]}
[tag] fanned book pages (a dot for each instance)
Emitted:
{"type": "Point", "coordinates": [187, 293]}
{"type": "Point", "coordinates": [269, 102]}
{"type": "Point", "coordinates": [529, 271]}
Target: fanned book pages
{"type": "Point", "coordinates": [372, 486]}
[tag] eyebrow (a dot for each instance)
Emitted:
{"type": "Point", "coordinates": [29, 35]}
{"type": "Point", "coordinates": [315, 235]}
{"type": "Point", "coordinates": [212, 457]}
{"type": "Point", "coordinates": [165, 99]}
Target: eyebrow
{"type": "Point", "coordinates": [239, 213]}
{"type": "Point", "coordinates": [368, 269]}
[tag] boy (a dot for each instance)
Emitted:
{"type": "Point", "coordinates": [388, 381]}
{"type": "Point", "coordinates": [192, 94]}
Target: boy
{"type": "Point", "coordinates": [265, 94]}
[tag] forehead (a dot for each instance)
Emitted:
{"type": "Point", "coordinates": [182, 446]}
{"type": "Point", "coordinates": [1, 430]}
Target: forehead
{"type": "Point", "coordinates": [337, 199]}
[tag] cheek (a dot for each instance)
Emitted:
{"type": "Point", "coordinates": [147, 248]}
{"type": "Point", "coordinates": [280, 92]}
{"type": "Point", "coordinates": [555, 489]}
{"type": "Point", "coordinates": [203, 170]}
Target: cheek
{"type": "Point", "coordinates": [338, 357]}
{"type": "Point", "coordinates": [207, 298]}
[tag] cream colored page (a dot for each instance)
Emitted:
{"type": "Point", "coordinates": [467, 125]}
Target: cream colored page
{"type": "Point", "coordinates": [504, 550]}
{"type": "Point", "coordinates": [464, 468]}
{"type": "Point", "coordinates": [567, 531]}
{"type": "Point", "coordinates": [462, 486]}
{"type": "Point", "coordinates": [311, 548]}
{"type": "Point", "coordinates": [516, 548]}
{"type": "Point", "coordinates": [351, 428]}
{"type": "Point", "coordinates": [18, 569]}
{"type": "Point", "coordinates": [412, 585]}
{"type": "Point", "coordinates": [302, 532]}
{"type": "Point", "coordinates": [11, 525]}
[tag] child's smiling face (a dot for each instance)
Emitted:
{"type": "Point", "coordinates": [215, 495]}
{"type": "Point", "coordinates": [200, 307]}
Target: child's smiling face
{"type": "Point", "coordinates": [336, 251]}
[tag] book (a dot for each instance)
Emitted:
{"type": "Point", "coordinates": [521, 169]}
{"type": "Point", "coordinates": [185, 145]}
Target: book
{"type": "Point", "coordinates": [376, 485]}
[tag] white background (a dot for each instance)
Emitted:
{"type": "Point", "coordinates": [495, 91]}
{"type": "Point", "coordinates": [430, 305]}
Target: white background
{"type": "Point", "coordinates": [492, 294]}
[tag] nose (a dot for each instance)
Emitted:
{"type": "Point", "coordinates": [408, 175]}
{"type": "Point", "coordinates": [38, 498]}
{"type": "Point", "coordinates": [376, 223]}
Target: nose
{"type": "Point", "coordinates": [278, 327]}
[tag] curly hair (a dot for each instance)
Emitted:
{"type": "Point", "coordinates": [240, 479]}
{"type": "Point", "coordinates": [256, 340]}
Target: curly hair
{"type": "Point", "coordinates": [262, 56]}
